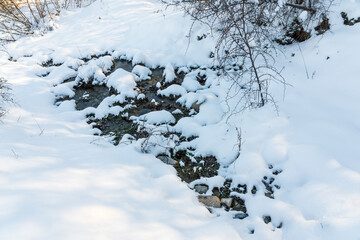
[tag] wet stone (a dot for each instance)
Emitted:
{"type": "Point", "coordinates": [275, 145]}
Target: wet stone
{"type": "Point", "coordinates": [271, 180]}
{"type": "Point", "coordinates": [241, 188]}
{"type": "Point", "coordinates": [240, 215]}
{"type": "Point", "coordinates": [254, 190]}
{"type": "Point", "coordinates": [269, 195]}
{"type": "Point", "coordinates": [269, 189]}
{"type": "Point", "coordinates": [239, 205]}
{"type": "Point", "coordinates": [227, 202]}
{"type": "Point", "coordinates": [192, 168]}
{"type": "Point", "coordinates": [267, 219]}
{"type": "Point", "coordinates": [201, 188]}
{"type": "Point", "coordinates": [277, 172]}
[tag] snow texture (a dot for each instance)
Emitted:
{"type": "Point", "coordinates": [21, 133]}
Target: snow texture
{"type": "Point", "coordinates": [59, 181]}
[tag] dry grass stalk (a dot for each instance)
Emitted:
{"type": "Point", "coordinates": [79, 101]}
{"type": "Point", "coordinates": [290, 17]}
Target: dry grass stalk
{"type": "Point", "coordinates": [23, 17]}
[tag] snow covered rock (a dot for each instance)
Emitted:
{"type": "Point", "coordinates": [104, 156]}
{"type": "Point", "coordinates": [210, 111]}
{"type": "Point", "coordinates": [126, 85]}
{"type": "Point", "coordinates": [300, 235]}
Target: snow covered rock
{"type": "Point", "coordinates": [169, 73]}
{"type": "Point", "coordinates": [191, 84]}
{"type": "Point", "coordinates": [201, 188]}
{"type": "Point", "coordinates": [158, 117]}
{"type": "Point", "coordinates": [143, 72]}
{"type": "Point", "coordinates": [174, 89]}
{"type": "Point", "coordinates": [123, 82]}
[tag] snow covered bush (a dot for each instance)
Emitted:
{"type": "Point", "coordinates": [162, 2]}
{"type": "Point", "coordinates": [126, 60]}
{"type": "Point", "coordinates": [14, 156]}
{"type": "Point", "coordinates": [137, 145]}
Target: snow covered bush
{"type": "Point", "coordinates": [5, 96]}
{"type": "Point", "coordinates": [247, 34]}
{"type": "Point", "coordinates": [24, 17]}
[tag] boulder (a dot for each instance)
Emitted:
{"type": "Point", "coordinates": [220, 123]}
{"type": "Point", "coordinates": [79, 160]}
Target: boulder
{"type": "Point", "coordinates": [267, 219]}
{"type": "Point", "coordinates": [227, 202]}
{"type": "Point", "coordinates": [210, 201]}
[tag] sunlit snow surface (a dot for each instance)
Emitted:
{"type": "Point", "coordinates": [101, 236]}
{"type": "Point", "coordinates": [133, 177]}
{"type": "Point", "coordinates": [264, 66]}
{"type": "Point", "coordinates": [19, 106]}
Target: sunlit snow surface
{"type": "Point", "coordinates": [58, 181]}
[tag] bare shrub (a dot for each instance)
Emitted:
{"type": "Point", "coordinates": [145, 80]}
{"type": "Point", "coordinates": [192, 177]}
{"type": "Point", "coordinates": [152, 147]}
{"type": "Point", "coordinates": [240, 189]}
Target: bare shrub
{"type": "Point", "coordinates": [5, 96]}
{"type": "Point", "coordinates": [246, 31]}
{"type": "Point", "coordinates": [23, 17]}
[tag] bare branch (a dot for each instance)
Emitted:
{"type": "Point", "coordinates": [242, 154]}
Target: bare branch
{"type": "Point", "coordinates": [301, 7]}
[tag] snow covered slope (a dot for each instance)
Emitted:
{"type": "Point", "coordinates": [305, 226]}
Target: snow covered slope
{"type": "Point", "coordinates": [58, 181]}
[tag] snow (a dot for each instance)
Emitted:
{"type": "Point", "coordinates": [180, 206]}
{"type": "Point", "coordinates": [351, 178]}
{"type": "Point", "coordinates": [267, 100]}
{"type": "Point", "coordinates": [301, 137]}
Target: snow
{"type": "Point", "coordinates": [212, 182]}
{"type": "Point", "coordinates": [169, 73]}
{"type": "Point", "coordinates": [123, 82]}
{"type": "Point", "coordinates": [59, 74]}
{"type": "Point", "coordinates": [177, 111]}
{"type": "Point", "coordinates": [157, 117]}
{"type": "Point", "coordinates": [63, 90]}
{"type": "Point", "coordinates": [173, 89]}
{"type": "Point", "coordinates": [141, 96]}
{"type": "Point", "coordinates": [96, 69]}
{"type": "Point", "coordinates": [144, 73]}
{"type": "Point", "coordinates": [59, 181]}
{"type": "Point", "coordinates": [182, 70]}
{"type": "Point", "coordinates": [143, 35]}
{"type": "Point", "coordinates": [190, 83]}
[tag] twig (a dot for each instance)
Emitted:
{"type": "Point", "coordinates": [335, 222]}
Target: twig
{"type": "Point", "coordinates": [307, 73]}
{"type": "Point", "coordinates": [189, 36]}
{"type": "Point", "coordinates": [41, 129]}
{"type": "Point", "coordinates": [15, 154]}
{"type": "Point", "coordinates": [300, 7]}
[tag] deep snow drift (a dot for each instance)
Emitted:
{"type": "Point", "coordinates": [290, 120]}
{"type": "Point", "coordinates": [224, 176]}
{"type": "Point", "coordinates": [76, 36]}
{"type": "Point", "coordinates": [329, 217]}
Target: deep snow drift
{"type": "Point", "coordinates": [58, 181]}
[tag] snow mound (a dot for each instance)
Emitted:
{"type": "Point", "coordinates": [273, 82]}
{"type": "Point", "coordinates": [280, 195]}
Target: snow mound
{"type": "Point", "coordinates": [169, 73]}
{"type": "Point", "coordinates": [173, 89]}
{"type": "Point", "coordinates": [144, 73]}
{"type": "Point", "coordinates": [95, 70]}
{"type": "Point", "coordinates": [158, 117]}
{"type": "Point", "coordinates": [123, 82]}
